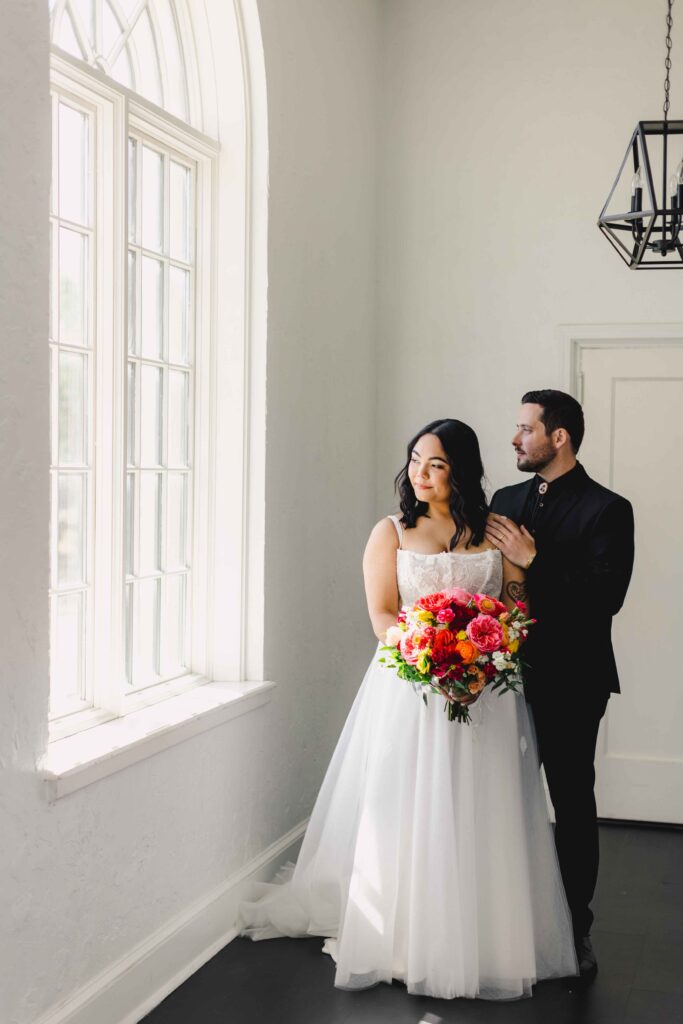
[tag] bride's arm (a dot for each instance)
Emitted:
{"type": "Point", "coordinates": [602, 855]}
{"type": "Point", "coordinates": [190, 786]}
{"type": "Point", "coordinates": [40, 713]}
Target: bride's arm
{"type": "Point", "coordinates": [514, 585]}
{"type": "Point", "coordinates": [379, 571]}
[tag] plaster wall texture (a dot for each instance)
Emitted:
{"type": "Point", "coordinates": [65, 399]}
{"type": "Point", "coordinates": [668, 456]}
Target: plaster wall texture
{"type": "Point", "coordinates": [502, 127]}
{"type": "Point", "coordinates": [85, 879]}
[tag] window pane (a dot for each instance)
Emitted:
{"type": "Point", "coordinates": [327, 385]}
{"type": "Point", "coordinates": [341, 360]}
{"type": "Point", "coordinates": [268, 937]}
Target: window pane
{"type": "Point", "coordinates": [67, 651]}
{"type": "Point", "coordinates": [178, 315]}
{"type": "Point", "coordinates": [130, 524]}
{"type": "Point", "coordinates": [152, 307]}
{"type": "Point", "coordinates": [180, 211]}
{"type": "Point", "coordinates": [72, 408]}
{"type": "Point", "coordinates": [150, 523]}
{"type": "Point", "coordinates": [178, 418]}
{"type": "Point", "coordinates": [175, 98]}
{"type": "Point", "coordinates": [110, 28]}
{"type": "Point", "coordinates": [132, 189]}
{"type": "Point", "coordinates": [66, 37]}
{"type": "Point", "coordinates": [152, 199]}
{"type": "Point", "coordinates": [53, 278]}
{"type": "Point", "coordinates": [86, 12]}
{"type": "Point", "coordinates": [132, 302]}
{"type": "Point", "coordinates": [176, 522]}
{"type": "Point", "coordinates": [73, 164]}
{"type": "Point", "coordinates": [72, 287]}
{"type": "Point", "coordinates": [133, 373]}
{"type": "Point", "coordinates": [144, 623]}
{"type": "Point", "coordinates": [173, 626]}
{"type": "Point", "coordinates": [150, 415]}
{"type": "Point", "coordinates": [143, 39]}
{"type": "Point", "coordinates": [128, 6]}
{"type": "Point", "coordinates": [71, 529]}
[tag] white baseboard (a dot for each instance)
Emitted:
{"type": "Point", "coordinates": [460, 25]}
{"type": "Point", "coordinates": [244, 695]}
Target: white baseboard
{"type": "Point", "coordinates": [130, 988]}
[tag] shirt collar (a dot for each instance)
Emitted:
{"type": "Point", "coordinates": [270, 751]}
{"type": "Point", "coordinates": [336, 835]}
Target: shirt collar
{"type": "Point", "coordinates": [562, 484]}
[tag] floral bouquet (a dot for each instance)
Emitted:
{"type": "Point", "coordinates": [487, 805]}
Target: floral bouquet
{"type": "Point", "coordinates": [455, 644]}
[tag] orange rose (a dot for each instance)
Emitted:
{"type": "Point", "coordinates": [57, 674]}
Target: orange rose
{"type": "Point", "coordinates": [477, 680]}
{"type": "Point", "coordinates": [467, 651]}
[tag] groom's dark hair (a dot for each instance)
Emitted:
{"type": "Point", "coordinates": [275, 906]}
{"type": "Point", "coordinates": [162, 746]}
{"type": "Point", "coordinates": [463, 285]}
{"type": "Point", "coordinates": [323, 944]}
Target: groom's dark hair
{"type": "Point", "coordinates": [559, 410]}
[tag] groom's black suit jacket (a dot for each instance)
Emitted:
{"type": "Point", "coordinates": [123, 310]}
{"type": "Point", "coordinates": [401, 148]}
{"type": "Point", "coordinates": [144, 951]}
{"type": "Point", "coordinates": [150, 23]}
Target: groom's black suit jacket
{"type": "Point", "coordinates": [576, 583]}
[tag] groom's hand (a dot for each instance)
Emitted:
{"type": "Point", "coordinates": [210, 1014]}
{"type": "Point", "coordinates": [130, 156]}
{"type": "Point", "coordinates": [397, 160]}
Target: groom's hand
{"type": "Point", "coordinates": [516, 543]}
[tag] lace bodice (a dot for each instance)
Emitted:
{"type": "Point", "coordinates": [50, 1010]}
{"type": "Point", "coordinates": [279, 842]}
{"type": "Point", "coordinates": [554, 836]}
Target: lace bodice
{"type": "Point", "coordinates": [419, 574]}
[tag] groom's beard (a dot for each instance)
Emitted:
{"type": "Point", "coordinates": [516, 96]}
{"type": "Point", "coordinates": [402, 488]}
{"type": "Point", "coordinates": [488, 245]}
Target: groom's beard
{"type": "Point", "coordinates": [536, 461]}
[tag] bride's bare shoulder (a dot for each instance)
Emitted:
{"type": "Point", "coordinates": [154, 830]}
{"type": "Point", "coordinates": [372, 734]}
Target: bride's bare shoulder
{"type": "Point", "coordinates": [384, 534]}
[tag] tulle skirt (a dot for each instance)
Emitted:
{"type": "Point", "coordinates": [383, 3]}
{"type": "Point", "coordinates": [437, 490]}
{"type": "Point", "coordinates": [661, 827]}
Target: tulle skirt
{"type": "Point", "coordinates": [429, 856]}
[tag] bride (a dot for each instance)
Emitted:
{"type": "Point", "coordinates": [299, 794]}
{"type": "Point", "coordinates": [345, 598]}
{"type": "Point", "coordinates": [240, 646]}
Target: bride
{"type": "Point", "coordinates": [429, 855]}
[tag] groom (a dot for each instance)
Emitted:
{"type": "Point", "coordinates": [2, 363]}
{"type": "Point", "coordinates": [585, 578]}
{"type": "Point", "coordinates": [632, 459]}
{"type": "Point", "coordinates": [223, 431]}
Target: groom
{"type": "Point", "coordinates": [575, 540]}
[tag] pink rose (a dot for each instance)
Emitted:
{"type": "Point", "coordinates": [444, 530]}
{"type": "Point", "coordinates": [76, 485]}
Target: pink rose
{"type": "Point", "coordinates": [485, 633]}
{"type": "Point", "coordinates": [425, 637]}
{"type": "Point", "coordinates": [445, 615]}
{"type": "Point", "coordinates": [409, 649]}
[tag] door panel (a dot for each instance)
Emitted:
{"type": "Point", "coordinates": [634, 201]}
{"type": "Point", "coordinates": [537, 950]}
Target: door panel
{"type": "Point", "coordinates": [633, 403]}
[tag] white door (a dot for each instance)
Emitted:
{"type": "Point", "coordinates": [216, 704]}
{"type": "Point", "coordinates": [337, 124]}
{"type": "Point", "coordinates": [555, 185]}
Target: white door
{"type": "Point", "coordinates": [633, 404]}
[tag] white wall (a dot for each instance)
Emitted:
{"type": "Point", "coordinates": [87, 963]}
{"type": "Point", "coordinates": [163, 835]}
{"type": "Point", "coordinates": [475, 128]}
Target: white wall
{"type": "Point", "coordinates": [82, 881]}
{"type": "Point", "coordinates": [500, 128]}
{"type": "Point", "coordinates": [320, 69]}
{"type": "Point", "coordinates": [503, 127]}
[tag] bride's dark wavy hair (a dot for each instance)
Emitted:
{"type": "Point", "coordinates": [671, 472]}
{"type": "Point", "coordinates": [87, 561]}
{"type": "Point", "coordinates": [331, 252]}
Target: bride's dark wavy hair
{"type": "Point", "coordinates": [468, 505]}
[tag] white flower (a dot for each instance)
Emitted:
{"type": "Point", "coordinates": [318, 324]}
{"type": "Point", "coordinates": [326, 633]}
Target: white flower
{"type": "Point", "coordinates": [393, 636]}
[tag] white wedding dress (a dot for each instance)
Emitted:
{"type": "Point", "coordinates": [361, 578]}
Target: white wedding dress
{"type": "Point", "coordinates": [429, 855]}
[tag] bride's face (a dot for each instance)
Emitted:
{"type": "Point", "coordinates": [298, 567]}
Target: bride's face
{"type": "Point", "coordinates": [429, 470]}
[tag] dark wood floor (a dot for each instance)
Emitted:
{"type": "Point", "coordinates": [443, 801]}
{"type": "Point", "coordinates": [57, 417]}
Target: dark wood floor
{"type": "Point", "coordinates": [638, 937]}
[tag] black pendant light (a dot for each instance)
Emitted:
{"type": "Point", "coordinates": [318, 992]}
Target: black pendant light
{"type": "Point", "coordinates": [649, 186]}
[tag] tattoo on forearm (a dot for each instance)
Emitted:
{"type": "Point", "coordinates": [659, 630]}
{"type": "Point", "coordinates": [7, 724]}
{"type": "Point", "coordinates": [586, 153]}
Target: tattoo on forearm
{"type": "Point", "coordinates": [516, 590]}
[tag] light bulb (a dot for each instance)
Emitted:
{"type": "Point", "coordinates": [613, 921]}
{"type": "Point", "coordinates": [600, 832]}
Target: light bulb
{"type": "Point", "coordinates": [637, 180]}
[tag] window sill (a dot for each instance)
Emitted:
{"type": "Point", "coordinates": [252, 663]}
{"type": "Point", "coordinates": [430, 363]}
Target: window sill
{"type": "Point", "coordinates": [77, 761]}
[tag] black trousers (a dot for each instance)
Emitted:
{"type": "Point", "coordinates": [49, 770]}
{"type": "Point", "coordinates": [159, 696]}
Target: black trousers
{"type": "Point", "coordinates": [567, 734]}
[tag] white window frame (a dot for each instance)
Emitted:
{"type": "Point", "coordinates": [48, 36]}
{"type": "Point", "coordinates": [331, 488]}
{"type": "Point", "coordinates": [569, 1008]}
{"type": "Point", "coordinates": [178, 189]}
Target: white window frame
{"type": "Point", "coordinates": [235, 573]}
{"type": "Point", "coordinates": [116, 111]}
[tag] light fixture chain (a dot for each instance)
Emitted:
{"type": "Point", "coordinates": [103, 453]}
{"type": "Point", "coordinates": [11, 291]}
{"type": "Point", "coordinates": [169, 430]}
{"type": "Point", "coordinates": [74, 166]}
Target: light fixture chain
{"type": "Point", "coordinates": [667, 62]}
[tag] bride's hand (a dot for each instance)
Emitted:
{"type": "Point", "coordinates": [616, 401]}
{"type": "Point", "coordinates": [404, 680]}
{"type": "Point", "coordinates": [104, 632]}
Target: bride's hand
{"type": "Point", "coordinates": [459, 698]}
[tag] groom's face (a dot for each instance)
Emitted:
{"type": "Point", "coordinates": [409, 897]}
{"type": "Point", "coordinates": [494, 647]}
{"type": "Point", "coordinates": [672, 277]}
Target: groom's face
{"type": "Point", "coordinates": [534, 449]}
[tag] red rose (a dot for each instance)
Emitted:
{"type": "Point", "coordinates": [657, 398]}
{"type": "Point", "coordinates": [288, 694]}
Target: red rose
{"type": "Point", "coordinates": [461, 617]}
{"type": "Point", "coordinates": [433, 602]}
{"type": "Point", "coordinates": [443, 647]}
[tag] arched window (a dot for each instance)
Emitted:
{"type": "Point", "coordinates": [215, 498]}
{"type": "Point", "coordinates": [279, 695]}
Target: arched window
{"type": "Point", "coordinates": [145, 45]}
{"type": "Point", "coordinates": [134, 245]}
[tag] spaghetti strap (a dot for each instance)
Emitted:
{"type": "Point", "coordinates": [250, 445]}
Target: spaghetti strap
{"type": "Point", "coordinates": [399, 530]}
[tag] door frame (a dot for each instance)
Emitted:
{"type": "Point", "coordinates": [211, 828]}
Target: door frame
{"type": "Point", "coordinates": [573, 338]}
